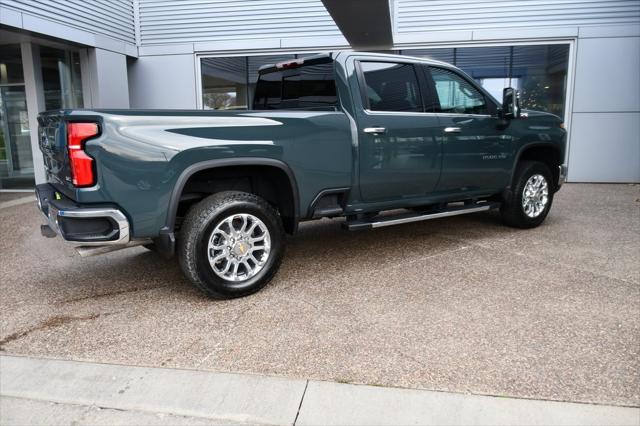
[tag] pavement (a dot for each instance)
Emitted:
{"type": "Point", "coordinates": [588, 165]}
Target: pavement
{"type": "Point", "coordinates": [14, 195]}
{"type": "Point", "coordinates": [462, 305]}
{"type": "Point", "coordinates": [10, 199]}
{"type": "Point", "coordinates": [41, 391]}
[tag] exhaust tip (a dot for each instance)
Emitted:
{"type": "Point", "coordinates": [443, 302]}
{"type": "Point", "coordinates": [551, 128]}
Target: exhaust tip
{"type": "Point", "coordinates": [46, 231]}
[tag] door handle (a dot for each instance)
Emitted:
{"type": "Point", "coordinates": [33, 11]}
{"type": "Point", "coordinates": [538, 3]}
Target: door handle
{"type": "Point", "coordinates": [452, 129]}
{"type": "Point", "coordinates": [374, 130]}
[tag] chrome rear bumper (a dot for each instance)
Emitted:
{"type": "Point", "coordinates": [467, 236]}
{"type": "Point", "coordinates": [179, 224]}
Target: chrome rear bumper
{"type": "Point", "coordinates": [87, 226]}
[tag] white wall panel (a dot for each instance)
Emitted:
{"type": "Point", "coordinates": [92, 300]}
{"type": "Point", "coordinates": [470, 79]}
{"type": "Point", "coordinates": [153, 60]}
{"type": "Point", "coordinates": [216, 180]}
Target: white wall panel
{"type": "Point", "coordinates": [605, 125]}
{"type": "Point", "coordinates": [168, 21]}
{"type": "Point", "coordinates": [607, 75]}
{"type": "Point", "coordinates": [107, 79]}
{"type": "Point", "coordinates": [166, 81]}
{"type": "Point", "coordinates": [605, 147]}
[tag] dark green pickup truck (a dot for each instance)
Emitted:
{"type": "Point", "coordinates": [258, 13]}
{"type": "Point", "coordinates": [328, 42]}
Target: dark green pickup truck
{"type": "Point", "coordinates": [346, 134]}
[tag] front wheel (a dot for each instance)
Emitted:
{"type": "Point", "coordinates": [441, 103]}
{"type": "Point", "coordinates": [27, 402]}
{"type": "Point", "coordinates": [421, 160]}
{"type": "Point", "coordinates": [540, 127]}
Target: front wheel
{"type": "Point", "coordinates": [532, 196]}
{"type": "Point", "coordinates": [231, 244]}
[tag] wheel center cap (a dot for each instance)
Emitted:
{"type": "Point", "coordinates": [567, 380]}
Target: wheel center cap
{"type": "Point", "coordinates": [240, 248]}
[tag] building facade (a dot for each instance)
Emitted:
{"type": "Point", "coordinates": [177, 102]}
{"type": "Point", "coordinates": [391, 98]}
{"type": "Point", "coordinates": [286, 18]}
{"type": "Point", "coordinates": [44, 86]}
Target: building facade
{"type": "Point", "coordinates": [579, 59]}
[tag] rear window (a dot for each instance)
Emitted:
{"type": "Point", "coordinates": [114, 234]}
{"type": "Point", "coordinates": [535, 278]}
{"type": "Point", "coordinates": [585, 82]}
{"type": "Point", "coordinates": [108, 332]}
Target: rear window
{"type": "Point", "coordinates": [311, 86]}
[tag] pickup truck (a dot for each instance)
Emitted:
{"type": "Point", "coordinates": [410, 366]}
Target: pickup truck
{"type": "Point", "coordinates": [346, 134]}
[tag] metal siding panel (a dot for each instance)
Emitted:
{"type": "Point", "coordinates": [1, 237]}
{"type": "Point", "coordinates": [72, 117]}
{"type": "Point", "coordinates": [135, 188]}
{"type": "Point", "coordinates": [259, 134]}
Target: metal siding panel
{"type": "Point", "coordinates": [604, 147]}
{"type": "Point", "coordinates": [607, 77]}
{"type": "Point", "coordinates": [455, 15]}
{"type": "Point", "coordinates": [109, 18]}
{"type": "Point", "coordinates": [188, 21]}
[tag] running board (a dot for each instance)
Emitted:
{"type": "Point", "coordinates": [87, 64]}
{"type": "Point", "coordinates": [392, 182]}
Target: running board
{"type": "Point", "coordinates": [381, 222]}
{"type": "Point", "coordinates": [87, 251]}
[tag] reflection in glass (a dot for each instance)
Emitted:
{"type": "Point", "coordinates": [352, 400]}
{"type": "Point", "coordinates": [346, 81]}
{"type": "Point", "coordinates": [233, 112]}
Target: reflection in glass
{"type": "Point", "coordinates": [443, 54]}
{"type": "Point", "coordinates": [16, 161]}
{"type": "Point", "coordinates": [61, 78]}
{"type": "Point", "coordinates": [539, 72]}
{"type": "Point", "coordinates": [391, 87]}
{"type": "Point", "coordinates": [457, 95]}
{"type": "Point", "coordinates": [541, 75]}
{"type": "Point", "coordinates": [224, 83]}
{"type": "Point", "coordinates": [255, 62]}
{"type": "Point", "coordinates": [10, 64]}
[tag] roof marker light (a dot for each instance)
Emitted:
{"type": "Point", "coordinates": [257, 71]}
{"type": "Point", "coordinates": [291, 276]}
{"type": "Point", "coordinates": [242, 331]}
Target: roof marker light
{"type": "Point", "coordinates": [295, 63]}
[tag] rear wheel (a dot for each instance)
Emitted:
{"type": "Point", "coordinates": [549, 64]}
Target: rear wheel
{"type": "Point", "coordinates": [231, 244]}
{"type": "Point", "coordinates": [532, 196]}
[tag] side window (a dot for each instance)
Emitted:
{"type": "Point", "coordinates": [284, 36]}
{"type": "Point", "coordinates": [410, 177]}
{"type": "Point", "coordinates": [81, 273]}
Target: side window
{"type": "Point", "coordinates": [391, 86]}
{"type": "Point", "coordinates": [456, 94]}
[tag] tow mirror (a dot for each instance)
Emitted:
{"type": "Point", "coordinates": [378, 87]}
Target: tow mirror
{"type": "Point", "coordinates": [510, 103]}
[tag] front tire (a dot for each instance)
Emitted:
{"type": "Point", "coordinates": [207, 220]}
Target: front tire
{"type": "Point", "coordinates": [532, 196]}
{"type": "Point", "coordinates": [231, 244]}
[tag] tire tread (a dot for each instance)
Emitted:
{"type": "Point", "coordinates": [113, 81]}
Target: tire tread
{"type": "Point", "coordinates": [511, 210]}
{"type": "Point", "coordinates": [195, 223]}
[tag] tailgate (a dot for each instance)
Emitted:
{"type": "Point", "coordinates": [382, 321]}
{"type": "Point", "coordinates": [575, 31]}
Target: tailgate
{"type": "Point", "coordinates": [52, 141]}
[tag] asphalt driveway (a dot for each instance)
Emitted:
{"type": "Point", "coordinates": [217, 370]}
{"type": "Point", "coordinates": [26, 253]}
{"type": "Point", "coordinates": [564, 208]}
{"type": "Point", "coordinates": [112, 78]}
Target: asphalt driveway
{"type": "Point", "coordinates": [460, 304]}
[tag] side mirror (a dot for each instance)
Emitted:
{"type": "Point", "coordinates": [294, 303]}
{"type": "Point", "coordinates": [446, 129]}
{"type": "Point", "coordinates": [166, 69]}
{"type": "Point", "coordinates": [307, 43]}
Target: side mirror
{"type": "Point", "coordinates": [510, 103]}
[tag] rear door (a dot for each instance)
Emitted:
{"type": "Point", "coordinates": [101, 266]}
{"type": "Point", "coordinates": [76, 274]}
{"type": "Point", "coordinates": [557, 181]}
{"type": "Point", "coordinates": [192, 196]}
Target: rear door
{"type": "Point", "coordinates": [399, 151]}
{"type": "Point", "coordinates": [477, 151]}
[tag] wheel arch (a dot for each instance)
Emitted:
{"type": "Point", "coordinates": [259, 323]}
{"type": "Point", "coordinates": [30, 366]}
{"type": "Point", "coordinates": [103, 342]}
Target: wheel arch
{"type": "Point", "coordinates": [540, 151]}
{"type": "Point", "coordinates": [218, 164]}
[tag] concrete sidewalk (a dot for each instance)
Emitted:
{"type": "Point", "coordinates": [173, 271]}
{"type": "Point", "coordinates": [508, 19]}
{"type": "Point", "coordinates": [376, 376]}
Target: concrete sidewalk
{"type": "Point", "coordinates": [45, 391]}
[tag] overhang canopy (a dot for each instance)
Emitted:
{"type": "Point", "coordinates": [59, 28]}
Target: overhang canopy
{"type": "Point", "coordinates": [366, 24]}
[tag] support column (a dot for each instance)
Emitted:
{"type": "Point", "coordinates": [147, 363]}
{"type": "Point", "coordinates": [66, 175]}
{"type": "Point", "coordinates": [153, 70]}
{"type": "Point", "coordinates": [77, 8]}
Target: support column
{"type": "Point", "coordinates": [104, 79]}
{"type": "Point", "coordinates": [34, 91]}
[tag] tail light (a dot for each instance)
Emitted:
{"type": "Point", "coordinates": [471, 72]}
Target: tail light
{"type": "Point", "coordinates": [82, 170]}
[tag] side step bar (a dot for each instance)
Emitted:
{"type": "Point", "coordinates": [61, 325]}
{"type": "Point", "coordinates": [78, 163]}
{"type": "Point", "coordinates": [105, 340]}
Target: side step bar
{"type": "Point", "coordinates": [87, 251]}
{"type": "Point", "coordinates": [380, 222]}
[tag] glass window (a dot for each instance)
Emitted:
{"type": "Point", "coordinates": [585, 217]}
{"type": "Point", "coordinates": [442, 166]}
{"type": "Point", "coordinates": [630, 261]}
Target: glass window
{"type": "Point", "coordinates": [484, 62]}
{"type": "Point", "coordinates": [447, 55]}
{"type": "Point", "coordinates": [61, 78]}
{"type": "Point", "coordinates": [309, 86]}
{"type": "Point", "coordinates": [391, 86]}
{"type": "Point", "coordinates": [539, 72]}
{"type": "Point", "coordinates": [457, 95]}
{"type": "Point", "coordinates": [255, 62]}
{"type": "Point", "coordinates": [224, 83]}
{"type": "Point", "coordinates": [10, 64]}
{"type": "Point", "coordinates": [16, 160]}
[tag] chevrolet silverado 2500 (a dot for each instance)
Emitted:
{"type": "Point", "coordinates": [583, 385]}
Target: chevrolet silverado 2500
{"type": "Point", "coordinates": [345, 134]}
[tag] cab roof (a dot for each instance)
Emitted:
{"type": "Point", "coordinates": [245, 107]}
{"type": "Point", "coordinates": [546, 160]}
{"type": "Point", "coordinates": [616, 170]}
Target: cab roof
{"type": "Point", "coordinates": [330, 56]}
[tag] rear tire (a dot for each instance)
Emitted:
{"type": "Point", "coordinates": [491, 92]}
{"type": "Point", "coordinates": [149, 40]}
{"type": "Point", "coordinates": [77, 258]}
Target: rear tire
{"type": "Point", "coordinates": [231, 244]}
{"type": "Point", "coordinates": [532, 196]}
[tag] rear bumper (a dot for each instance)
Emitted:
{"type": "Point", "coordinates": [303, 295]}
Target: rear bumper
{"type": "Point", "coordinates": [82, 225]}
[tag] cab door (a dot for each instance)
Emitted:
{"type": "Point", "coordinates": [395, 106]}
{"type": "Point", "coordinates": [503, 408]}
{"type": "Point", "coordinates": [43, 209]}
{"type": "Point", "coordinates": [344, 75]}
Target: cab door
{"type": "Point", "coordinates": [399, 148]}
{"type": "Point", "coordinates": [477, 151]}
